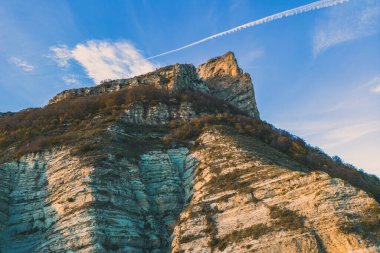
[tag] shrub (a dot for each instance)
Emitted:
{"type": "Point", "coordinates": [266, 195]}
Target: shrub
{"type": "Point", "coordinates": [286, 219]}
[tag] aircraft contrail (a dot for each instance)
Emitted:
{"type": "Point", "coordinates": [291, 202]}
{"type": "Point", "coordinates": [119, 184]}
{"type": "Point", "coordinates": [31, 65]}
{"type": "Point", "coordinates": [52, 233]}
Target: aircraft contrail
{"type": "Point", "coordinates": [288, 13]}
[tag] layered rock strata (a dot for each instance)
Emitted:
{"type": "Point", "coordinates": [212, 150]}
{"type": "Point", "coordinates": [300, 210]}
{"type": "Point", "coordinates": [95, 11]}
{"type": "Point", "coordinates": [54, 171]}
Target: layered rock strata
{"type": "Point", "coordinates": [54, 202]}
{"type": "Point", "coordinates": [229, 194]}
{"type": "Point", "coordinates": [227, 81]}
{"type": "Point", "coordinates": [135, 191]}
{"type": "Point", "coordinates": [248, 197]}
{"type": "Point", "coordinates": [220, 77]}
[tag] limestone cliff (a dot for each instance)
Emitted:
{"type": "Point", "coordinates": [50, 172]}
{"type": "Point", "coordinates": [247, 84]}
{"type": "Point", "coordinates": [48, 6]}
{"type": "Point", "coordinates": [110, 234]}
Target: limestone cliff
{"type": "Point", "coordinates": [182, 165]}
{"type": "Point", "coordinates": [220, 77]}
{"type": "Point", "coordinates": [227, 81]}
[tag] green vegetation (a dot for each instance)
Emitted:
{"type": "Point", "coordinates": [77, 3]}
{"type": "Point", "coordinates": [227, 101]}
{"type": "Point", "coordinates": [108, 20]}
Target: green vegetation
{"type": "Point", "coordinates": [228, 181]}
{"type": "Point", "coordinates": [71, 199]}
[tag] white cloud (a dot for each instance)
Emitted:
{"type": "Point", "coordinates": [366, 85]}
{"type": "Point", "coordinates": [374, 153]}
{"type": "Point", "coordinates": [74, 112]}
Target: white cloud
{"type": "Point", "coordinates": [350, 132]}
{"type": "Point", "coordinates": [355, 142]}
{"type": "Point", "coordinates": [61, 55]}
{"type": "Point", "coordinates": [252, 56]}
{"type": "Point", "coordinates": [376, 89]}
{"type": "Point", "coordinates": [352, 21]}
{"type": "Point", "coordinates": [333, 133]}
{"type": "Point", "coordinates": [22, 64]}
{"type": "Point", "coordinates": [345, 122]}
{"type": "Point", "coordinates": [374, 84]}
{"type": "Point", "coordinates": [104, 60]}
{"type": "Point", "coordinates": [71, 80]}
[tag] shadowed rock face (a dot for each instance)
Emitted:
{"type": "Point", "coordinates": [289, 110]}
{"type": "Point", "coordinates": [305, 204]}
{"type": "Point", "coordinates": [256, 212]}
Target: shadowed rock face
{"type": "Point", "coordinates": [54, 202]}
{"type": "Point", "coordinates": [222, 191]}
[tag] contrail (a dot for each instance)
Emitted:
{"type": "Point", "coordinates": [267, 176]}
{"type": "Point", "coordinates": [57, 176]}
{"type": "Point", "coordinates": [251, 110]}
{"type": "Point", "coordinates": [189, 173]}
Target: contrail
{"type": "Point", "coordinates": [288, 13]}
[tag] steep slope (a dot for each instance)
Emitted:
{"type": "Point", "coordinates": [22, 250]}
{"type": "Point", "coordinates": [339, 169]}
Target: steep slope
{"type": "Point", "coordinates": [248, 197]}
{"type": "Point", "coordinates": [227, 81]}
{"type": "Point", "coordinates": [176, 160]}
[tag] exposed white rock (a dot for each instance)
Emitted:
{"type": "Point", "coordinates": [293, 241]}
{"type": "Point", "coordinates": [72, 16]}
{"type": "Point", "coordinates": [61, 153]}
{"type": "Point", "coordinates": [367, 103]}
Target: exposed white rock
{"type": "Point", "coordinates": [220, 77]}
{"type": "Point", "coordinates": [240, 185]}
{"type": "Point", "coordinates": [227, 81]}
{"type": "Point", "coordinates": [227, 193]}
{"type": "Point", "coordinates": [160, 114]}
{"type": "Point", "coordinates": [54, 202]}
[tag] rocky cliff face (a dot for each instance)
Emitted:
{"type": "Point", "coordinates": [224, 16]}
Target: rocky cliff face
{"type": "Point", "coordinates": [171, 78]}
{"type": "Point", "coordinates": [249, 198]}
{"type": "Point", "coordinates": [220, 77]}
{"type": "Point", "coordinates": [154, 177]}
{"type": "Point", "coordinates": [227, 81]}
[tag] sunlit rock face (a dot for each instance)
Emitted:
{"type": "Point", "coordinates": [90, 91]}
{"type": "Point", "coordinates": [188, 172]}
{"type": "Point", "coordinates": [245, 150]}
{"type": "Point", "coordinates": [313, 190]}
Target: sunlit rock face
{"type": "Point", "coordinates": [229, 194]}
{"type": "Point", "coordinates": [248, 197]}
{"type": "Point", "coordinates": [227, 81]}
{"type": "Point", "coordinates": [171, 78]}
{"type": "Point", "coordinates": [221, 77]}
{"type": "Point", "coordinates": [222, 190]}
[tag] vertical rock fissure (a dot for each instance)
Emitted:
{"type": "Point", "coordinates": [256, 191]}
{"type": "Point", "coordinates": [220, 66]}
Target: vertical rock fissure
{"type": "Point", "coordinates": [162, 175]}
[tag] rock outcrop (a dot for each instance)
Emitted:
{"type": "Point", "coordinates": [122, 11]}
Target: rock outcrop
{"type": "Point", "coordinates": [174, 175]}
{"type": "Point", "coordinates": [220, 77]}
{"type": "Point", "coordinates": [248, 197]}
{"type": "Point", "coordinates": [160, 114]}
{"type": "Point", "coordinates": [227, 81]}
{"type": "Point", "coordinates": [171, 78]}
{"type": "Point", "coordinates": [54, 202]}
{"type": "Point", "coordinates": [230, 194]}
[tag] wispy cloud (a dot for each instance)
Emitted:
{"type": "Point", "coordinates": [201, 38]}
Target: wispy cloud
{"type": "Point", "coordinates": [355, 20]}
{"type": "Point", "coordinates": [22, 64]}
{"type": "Point", "coordinates": [374, 84]}
{"type": "Point", "coordinates": [104, 60]}
{"type": "Point", "coordinates": [376, 89]}
{"type": "Point", "coordinates": [345, 123]}
{"type": "Point", "coordinates": [61, 55]}
{"type": "Point", "coordinates": [71, 80]}
{"type": "Point", "coordinates": [252, 56]}
{"type": "Point", "coordinates": [292, 12]}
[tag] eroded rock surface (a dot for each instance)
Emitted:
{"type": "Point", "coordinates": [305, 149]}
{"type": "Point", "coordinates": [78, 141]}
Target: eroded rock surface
{"type": "Point", "coordinates": [229, 194]}
{"type": "Point", "coordinates": [134, 186]}
{"type": "Point", "coordinates": [249, 197]}
{"type": "Point", "coordinates": [160, 114]}
{"type": "Point", "coordinates": [221, 77]}
{"type": "Point", "coordinates": [54, 202]}
{"type": "Point", "coordinates": [227, 81]}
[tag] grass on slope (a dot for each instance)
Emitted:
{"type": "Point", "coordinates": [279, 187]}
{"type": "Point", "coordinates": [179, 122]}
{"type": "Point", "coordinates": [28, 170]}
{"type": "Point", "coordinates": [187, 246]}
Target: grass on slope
{"type": "Point", "coordinates": [80, 122]}
{"type": "Point", "coordinates": [296, 148]}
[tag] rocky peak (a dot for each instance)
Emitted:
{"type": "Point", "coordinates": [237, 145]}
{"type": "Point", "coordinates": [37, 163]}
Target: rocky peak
{"type": "Point", "coordinates": [225, 65]}
{"type": "Point", "coordinates": [171, 78]}
{"type": "Point", "coordinates": [220, 77]}
{"type": "Point", "coordinates": [227, 81]}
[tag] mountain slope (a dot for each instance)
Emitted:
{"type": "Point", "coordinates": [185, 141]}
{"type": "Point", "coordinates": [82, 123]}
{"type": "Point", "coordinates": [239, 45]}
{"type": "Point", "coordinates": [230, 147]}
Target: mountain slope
{"type": "Point", "coordinates": [176, 160]}
{"type": "Point", "coordinates": [248, 197]}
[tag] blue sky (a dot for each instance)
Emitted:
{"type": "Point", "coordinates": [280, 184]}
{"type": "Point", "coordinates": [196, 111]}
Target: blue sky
{"type": "Point", "coordinates": [316, 74]}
